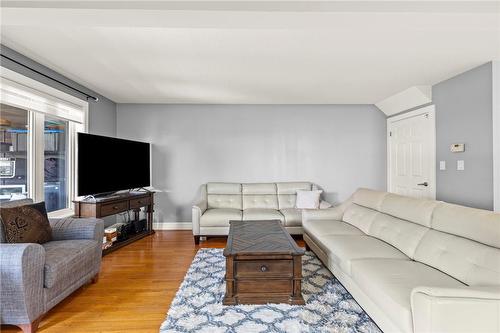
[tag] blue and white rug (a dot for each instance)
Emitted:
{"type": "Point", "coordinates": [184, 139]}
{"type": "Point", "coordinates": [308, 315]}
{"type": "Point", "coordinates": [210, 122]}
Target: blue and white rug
{"type": "Point", "coordinates": [197, 306]}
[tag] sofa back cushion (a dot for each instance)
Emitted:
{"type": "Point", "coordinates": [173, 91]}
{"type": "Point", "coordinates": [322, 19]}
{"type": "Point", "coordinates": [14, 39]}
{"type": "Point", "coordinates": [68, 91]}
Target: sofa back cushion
{"type": "Point", "coordinates": [224, 195]}
{"type": "Point", "coordinates": [360, 217]}
{"type": "Point", "coordinates": [287, 192]}
{"type": "Point", "coordinates": [369, 198]}
{"type": "Point", "coordinates": [477, 224]}
{"type": "Point", "coordinates": [403, 235]}
{"type": "Point", "coordinates": [407, 208]}
{"type": "Point", "coordinates": [260, 195]}
{"type": "Point", "coordinates": [468, 261]}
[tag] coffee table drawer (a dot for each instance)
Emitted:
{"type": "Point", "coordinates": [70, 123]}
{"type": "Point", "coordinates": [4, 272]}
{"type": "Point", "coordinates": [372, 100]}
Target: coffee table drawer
{"type": "Point", "coordinates": [264, 268]}
{"type": "Point", "coordinates": [113, 208]}
{"type": "Point", "coordinates": [282, 286]}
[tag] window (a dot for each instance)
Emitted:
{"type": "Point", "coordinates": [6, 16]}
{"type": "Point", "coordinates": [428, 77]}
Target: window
{"type": "Point", "coordinates": [55, 163]}
{"type": "Point", "coordinates": [38, 126]}
{"type": "Point", "coordinates": [13, 153]}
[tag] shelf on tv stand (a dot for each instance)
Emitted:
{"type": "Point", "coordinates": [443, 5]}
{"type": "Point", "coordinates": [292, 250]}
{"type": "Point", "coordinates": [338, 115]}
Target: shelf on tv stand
{"type": "Point", "coordinates": [116, 204]}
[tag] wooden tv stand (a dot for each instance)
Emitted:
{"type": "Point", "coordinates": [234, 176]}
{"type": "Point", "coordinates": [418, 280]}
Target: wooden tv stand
{"type": "Point", "coordinates": [116, 204]}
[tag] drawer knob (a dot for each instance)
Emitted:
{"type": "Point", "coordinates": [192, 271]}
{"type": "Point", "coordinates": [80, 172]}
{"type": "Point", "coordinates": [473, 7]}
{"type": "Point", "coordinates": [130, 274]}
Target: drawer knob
{"type": "Point", "coordinates": [115, 207]}
{"type": "Point", "coordinates": [139, 201]}
{"type": "Point", "coordinates": [263, 268]}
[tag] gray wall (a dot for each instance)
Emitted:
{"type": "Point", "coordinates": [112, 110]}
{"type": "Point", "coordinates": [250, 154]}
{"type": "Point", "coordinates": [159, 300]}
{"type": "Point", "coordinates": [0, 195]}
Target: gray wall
{"type": "Point", "coordinates": [339, 147]}
{"type": "Point", "coordinates": [464, 115]}
{"type": "Point", "coordinates": [102, 114]}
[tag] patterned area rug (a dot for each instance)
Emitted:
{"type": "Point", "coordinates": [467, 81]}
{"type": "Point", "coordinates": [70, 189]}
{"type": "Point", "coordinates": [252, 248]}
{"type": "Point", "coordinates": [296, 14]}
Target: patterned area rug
{"type": "Point", "coordinates": [197, 307]}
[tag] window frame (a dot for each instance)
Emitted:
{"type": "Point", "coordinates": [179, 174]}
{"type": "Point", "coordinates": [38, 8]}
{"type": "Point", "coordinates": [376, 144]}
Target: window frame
{"type": "Point", "coordinates": [39, 100]}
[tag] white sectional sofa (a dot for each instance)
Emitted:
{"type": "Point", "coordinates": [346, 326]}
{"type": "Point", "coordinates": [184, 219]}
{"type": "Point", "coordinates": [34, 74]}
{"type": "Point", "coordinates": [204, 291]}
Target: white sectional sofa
{"type": "Point", "coordinates": [414, 265]}
{"type": "Point", "coordinates": [222, 202]}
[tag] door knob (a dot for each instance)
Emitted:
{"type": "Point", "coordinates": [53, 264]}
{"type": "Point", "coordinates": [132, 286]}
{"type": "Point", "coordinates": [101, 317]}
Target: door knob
{"type": "Point", "coordinates": [424, 184]}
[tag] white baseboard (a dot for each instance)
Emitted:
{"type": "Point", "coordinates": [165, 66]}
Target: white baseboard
{"type": "Point", "coordinates": [172, 226]}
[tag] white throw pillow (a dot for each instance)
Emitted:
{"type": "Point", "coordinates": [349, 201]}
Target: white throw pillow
{"type": "Point", "coordinates": [308, 199]}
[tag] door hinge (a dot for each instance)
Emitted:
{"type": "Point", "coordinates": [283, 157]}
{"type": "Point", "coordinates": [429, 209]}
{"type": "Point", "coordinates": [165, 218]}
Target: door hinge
{"type": "Point", "coordinates": [390, 133]}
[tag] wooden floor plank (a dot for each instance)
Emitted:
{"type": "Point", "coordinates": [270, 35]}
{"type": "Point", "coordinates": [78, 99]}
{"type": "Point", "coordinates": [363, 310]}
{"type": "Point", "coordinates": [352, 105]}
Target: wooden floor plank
{"type": "Point", "coordinates": [136, 286]}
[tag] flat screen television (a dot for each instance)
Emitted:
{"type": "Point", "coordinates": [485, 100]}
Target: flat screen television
{"type": "Point", "coordinates": [107, 165]}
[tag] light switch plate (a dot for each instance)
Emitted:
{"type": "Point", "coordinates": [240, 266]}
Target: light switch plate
{"type": "Point", "coordinates": [442, 165]}
{"type": "Point", "coordinates": [460, 165]}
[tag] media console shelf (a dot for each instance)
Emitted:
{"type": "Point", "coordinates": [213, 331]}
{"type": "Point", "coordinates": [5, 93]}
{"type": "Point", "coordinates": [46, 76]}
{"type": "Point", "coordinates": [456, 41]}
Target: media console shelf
{"type": "Point", "coordinates": [117, 204]}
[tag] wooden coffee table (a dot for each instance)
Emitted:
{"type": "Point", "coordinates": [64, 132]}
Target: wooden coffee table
{"type": "Point", "coordinates": [263, 264]}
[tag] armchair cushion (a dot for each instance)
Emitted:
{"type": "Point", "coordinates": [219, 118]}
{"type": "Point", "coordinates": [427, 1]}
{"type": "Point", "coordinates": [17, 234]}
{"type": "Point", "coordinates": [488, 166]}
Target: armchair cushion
{"type": "Point", "coordinates": [67, 261]}
{"type": "Point", "coordinates": [26, 224]}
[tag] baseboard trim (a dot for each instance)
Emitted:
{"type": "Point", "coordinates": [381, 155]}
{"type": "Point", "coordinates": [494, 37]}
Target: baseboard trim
{"type": "Point", "coordinates": [172, 226]}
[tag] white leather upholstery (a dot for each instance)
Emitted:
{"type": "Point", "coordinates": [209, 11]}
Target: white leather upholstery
{"type": "Point", "coordinates": [401, 234]}
{"type": "Point", "coordinates": [268, 201]}
{"type": "Point", "coordinates": [223, 188]}
{"type": "Point", "coordinates": [293, 216]}
{"type": "Point", "coordinates": [447, 309]}
{"type": "Point", "coordinates": [410, 209]}
{"type": "Point", "coordinates": [369, 198]}
{"type": "Point", "coordinates": [259, 188]}
{"type": "Point", "coordinates": [287, 193]}
{"type": "Point", "coordinates": [255, 214]}
{"type": "Point", "coordinates": [456, 220]}
{"type": "Point", "coordinates": [220, 217]}
{"type": "Point", "coordinates": [344, 249]}
{"type": "Point", "coordinates": [471, 262]}
{"type": "Point", "coordinates": [360, 216]}
{"type": "Point", "coordinates": [389, 284]}
{"type": "Point", "coordinates": [455, 252]}
{"type": "Point", "coordinates": [222, 202]}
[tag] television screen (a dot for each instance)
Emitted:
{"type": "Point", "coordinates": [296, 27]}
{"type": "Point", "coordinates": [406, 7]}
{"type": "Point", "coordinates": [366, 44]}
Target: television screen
{"type": "Point", "coordinates": [109, 164]}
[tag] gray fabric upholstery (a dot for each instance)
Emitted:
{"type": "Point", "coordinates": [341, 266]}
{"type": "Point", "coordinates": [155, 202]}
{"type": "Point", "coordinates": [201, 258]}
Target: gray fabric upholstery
{"type": "Point", "coordinates": [21, 282]}
{"type": "Point", "coordinates": [34, 277]}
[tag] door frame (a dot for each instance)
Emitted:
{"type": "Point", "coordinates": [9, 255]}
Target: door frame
{"type": "Point", "coordinates": [431, 110]}
{"type": "Point", "coordinates": [496, 134]}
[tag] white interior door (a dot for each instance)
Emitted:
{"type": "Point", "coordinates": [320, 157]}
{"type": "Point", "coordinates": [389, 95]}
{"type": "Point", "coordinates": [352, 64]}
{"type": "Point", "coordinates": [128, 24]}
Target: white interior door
{"type": "Point", "coordinates": [411, 147]}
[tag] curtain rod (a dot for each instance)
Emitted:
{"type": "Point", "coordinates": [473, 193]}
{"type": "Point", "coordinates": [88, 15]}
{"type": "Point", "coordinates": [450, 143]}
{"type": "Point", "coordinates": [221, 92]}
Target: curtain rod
{"type": "Point", "coordinates": [94, 98]}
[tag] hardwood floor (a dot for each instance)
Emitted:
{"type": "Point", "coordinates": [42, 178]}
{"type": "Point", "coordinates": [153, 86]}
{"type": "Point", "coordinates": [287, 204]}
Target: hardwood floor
{"type": "Point", "coordinates": [135, 288]}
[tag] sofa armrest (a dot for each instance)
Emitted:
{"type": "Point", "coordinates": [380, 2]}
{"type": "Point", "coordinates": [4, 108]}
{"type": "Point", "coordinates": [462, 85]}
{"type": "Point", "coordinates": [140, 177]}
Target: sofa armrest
{"type": "Point", "coordinates": [197, 212]}
{"type": "Point", "coordinates": [472, 309]}
{"type": "Point", "coordinates": [77, 228]}
{"type": "Point", "coordinates": [21, 282]}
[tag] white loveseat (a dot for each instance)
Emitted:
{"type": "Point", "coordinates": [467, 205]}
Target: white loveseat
{"type": "Point", "coordinates": [223, 202]}
{"type": "Point", "coordinates": [414, 265]}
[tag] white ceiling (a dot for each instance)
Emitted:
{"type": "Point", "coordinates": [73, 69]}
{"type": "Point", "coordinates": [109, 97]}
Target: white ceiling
{"type": "Point", "coordinates": [254, 52]}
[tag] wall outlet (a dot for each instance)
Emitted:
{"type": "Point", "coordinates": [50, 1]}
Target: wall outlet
{"type": "Point", "coordinates": [442, 165]}
{"type": "Point", "coordinates": [460, 165]}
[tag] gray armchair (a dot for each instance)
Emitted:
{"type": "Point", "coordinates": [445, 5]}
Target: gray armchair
{"type": "Point", "coordinates": [34, 277]}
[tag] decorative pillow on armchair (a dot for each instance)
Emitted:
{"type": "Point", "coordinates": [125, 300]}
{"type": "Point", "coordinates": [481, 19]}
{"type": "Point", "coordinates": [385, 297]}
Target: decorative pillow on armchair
{"type": "Point", "coordinates": [26, 224]}
{"type": "Point", "coordinates": [308, 199]}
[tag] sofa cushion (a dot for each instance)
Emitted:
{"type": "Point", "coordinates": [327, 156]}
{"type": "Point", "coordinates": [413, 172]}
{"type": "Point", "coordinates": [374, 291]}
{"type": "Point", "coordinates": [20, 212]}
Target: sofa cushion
{"type": "Point", "coordinates": [287, 192]}
{"type": "Point", "coordinates": [258, 188]}
{"type": "Point", "coordinates": [254, 214]}
{"type": "Point", "coordinates": [360, 217]}
{"type": "Point", "coordinates": [263, 201]}
{"type": "Point", "coordinates": [318, 228]}
{"type": "Point", "coordinates": [224, 195]}
{"type": "Point", "coordinates": [68, 261]}
{"type": "Point", "coordinates": [415, 210]}
{"type": "Point", "coordinates": [471, 262]}
{"type": "Point", "coordinates": [219, 217]}
{"type": "Point", "coordinates": [477, 224]}
{"type": "Point", "coordinates": [369, 198]}
{"type": "Point", "coordinates": [293, 217]}
{"type": "Point", "coordinates": [389, 282]}
{"type": "Point", "coordinates": [343, 249]}
{"type": "Point", "coordinates": [403, 235]}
